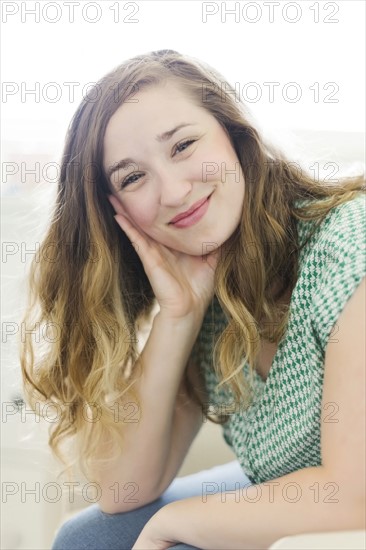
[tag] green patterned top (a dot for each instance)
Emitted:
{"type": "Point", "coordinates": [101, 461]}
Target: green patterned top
{"type": "Point", "coordinates": [280, 431]}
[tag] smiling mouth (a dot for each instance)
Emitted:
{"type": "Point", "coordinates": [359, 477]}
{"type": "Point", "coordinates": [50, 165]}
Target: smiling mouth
{"type": "Point", "coordinates": [194, 217]}
{"type": "Point", "coordinates": [185, 216]}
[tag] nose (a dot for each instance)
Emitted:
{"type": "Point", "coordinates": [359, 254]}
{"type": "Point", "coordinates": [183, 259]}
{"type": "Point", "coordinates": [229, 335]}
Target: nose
{"type": "Point", "coordinates": [173, 188]}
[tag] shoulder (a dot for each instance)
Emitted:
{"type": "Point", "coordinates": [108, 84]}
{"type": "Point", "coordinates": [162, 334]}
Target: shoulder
{"type": "Point", "coordinates": [340, 243]}
{"type": "Point", "coordinates": [344, 223]}
{"type": "Point", "coordinates": [347, 221]}
{"type": "Point", "coordinates": [334, 263]}
{"type": "Point", "coordinates": [339, 237]}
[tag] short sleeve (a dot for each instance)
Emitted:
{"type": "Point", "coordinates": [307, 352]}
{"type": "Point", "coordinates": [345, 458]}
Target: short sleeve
{"type": "Point", "coordinates": [338, 265]}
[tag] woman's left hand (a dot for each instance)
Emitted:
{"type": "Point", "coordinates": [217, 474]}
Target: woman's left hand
{"type": "Point", "coordinates": [155, 534]}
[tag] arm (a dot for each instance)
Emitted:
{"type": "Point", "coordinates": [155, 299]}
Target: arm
{"type": "Point", "coordinates": [330, 497]}
{"type": "Point", "coordinates": [156, 445]}
{"type": "Point", "coordinates": [309, 500]}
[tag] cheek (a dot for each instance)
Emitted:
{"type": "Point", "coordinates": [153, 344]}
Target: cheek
{"type": "Point", "coordinates": [143, 216]}
{"type": "Point", "coordinates": [217, 160]}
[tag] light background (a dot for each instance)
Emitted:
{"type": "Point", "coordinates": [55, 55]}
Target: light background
{"type": "Point", "coordinates": [304, 52]}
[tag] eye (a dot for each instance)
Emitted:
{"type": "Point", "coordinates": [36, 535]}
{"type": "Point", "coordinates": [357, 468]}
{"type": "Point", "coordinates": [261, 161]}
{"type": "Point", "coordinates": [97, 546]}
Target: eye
{"type": "Point", "coordinates": [129, 180]}
{"type": "Point", "coordinates": [188, 142]}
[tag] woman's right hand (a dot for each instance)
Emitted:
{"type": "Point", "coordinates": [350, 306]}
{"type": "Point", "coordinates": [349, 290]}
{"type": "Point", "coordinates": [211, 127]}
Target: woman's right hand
{"type": "Point", "coordinates": [183, 285]}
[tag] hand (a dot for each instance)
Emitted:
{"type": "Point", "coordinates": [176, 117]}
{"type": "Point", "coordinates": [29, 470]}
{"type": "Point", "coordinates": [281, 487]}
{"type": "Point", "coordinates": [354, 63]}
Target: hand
{"type": "Point", "coordinates": [153, 536]}
{"type": "Point", "coordinates": [182, 284]}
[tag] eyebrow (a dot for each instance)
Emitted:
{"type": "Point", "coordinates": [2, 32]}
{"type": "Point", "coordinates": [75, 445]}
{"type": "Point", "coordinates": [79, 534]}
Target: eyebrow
{"type": "Point", "coordinates": [165, 136]}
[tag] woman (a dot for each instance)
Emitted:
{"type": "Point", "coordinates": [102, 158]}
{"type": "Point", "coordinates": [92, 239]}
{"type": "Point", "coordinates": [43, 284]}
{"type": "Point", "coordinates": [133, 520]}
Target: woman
{"type": "Point", "coordinates": [260, 294]}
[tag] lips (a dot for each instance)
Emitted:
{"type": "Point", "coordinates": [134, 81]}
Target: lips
{"type": "Point", "coordinates": [188, 212]}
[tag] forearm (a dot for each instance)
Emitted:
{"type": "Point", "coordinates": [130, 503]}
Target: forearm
{"type": "Point", "coordinates": [309, 500]}
{"type": "Point", "coordinates": [164, 359]}
{"type": "Point", "coordinates": [162, 362]}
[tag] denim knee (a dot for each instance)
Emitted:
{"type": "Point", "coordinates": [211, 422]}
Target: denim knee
{"type": "Point", "coordinates": [67, 537]}
{"type": "Point", "coordinates": [92, 529]}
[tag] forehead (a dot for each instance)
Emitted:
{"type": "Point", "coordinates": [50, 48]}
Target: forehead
{"type": "Point", "coordinates": [153, 106]}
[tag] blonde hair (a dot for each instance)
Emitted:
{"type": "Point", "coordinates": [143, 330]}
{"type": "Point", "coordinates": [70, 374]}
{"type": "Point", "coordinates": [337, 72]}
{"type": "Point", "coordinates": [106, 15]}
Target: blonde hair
{"type": "Point", "coordinates": [94, 288]}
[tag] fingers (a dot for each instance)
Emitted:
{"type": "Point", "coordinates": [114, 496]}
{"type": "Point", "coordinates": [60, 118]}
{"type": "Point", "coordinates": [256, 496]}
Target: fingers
{"type": "Point", "coordinates": [116, 205]}
{"type": "Point", "coordinates": [121, 217]}
{"type": "Point", "coordinates": [137, 240]}
{"type": "Point", "coordinates": [119, 209]}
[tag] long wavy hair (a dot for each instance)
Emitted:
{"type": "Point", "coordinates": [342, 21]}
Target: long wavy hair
{"type": "Point", "coordinates": [88, 284]}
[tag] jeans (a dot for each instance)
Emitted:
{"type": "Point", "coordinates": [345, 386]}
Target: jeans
{"type": "Point", "coordinates": [93, 529]}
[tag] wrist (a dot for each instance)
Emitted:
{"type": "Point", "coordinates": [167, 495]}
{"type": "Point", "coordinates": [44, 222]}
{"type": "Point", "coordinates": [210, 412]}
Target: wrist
{"type": "Point", "coordinates": [191, 321]}
{"type": "Point", "coordinates": [165, 522]}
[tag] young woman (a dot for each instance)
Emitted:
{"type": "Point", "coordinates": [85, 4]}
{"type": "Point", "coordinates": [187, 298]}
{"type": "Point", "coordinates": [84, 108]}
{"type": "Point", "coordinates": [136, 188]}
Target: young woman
{"type": "Point", "coordinates": [170, 198]}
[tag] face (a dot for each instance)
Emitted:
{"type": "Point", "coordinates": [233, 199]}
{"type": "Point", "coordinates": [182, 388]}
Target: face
{"type": "Point", "coordinates": [165, 175]}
